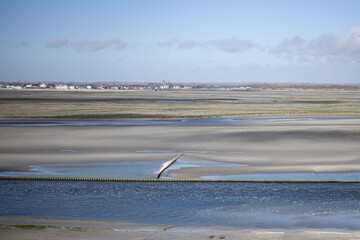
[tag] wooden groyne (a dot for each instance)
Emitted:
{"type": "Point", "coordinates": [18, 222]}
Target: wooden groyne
{"type": "Point", "coordinates": [166, 165]}
{"type": "Point", "coordinates": [167, 180]}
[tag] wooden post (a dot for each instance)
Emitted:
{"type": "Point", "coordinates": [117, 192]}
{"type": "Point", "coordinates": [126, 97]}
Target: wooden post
{"type": "Point", "coordinates": [155, 169]}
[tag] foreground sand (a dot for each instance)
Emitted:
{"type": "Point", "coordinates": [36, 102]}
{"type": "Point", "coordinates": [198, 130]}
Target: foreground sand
{"type": "Point", "coordinates": [266, 147]}
{"type": "Point", "coordinates": [22, 228]}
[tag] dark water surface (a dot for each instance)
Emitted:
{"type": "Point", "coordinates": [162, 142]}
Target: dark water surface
{"type": "Point", "coordinates": [247, 205]}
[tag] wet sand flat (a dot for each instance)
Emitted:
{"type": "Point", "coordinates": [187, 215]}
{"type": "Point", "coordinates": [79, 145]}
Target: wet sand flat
{"type": "Point", "coordinates": [327, 145]}
{"type": "Point", "coordinates": [44, 228]}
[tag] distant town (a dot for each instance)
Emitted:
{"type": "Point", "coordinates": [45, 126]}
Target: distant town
{"type": "Point", "coordinates": [163, 86]}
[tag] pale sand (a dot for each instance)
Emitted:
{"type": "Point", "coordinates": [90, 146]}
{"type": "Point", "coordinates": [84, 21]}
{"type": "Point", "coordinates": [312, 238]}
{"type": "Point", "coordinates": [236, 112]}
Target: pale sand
{"type": "Point", "coordinates": [266, 147]}
{"type": "Point", "coordinates": [296, 146]}
{"type": "Point", "coordinates": [10, 228]}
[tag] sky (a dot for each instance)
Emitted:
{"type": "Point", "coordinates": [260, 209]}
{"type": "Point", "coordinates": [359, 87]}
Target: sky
{"type": "Point", "coordinates": [180, 41]}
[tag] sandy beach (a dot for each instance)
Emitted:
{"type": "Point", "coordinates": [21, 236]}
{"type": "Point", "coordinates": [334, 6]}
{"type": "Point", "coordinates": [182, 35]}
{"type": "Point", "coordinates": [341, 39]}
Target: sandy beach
{"type": "Point", "coordinates": [22, 228]}
{"type": "Point", "coordinates": [302, 145]}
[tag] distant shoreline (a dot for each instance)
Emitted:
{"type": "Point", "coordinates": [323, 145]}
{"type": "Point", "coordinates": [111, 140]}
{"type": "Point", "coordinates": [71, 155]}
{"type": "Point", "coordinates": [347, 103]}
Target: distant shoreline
{"type": "Point", "coordinates": [41, 228]}
{"type": "Point", "coordinates": [165, 105]}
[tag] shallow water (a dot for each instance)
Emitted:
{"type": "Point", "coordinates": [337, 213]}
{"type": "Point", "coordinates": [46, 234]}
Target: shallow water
{"type": "Point", "coordinates": [72, 150]}
{"type": "Point", "coordinates": [141, 170]}
{"type": "Point", "coordinates": [160, 101]}
{"type": "Point", "coordinates": [110, 170]}
{"type": "Point", "coordinates": [309, 176]}
{"type": "Point", "coordinates": [40, 123]}
{"type": "Point", "coordinates": [90, 170]}
{"type": "Point", "coordinates": [246, 205]}
{"type": "Point", "coordinates": [269, 102]}
{"type": "Point", "coordinates": [155, 151]}
{"type": "Point", "coordinates": [294, 102]}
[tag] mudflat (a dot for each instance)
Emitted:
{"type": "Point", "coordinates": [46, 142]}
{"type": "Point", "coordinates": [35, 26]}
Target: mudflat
{"type": "Point", "coordinates": [274, 146]}
{"type": "Point", "coordinates": [120, 105]}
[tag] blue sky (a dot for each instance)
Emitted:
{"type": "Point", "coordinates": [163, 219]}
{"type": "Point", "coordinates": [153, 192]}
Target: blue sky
{"type": "Point", "coordinates": [223, 41]}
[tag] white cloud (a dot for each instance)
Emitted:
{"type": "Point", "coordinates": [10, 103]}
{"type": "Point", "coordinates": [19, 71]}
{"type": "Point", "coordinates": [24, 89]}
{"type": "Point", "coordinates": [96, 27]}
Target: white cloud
{"type": "Point", "coordinates": [188, 44]}
{"type": "Point", "coordinates": [170, 43]}
{"type": "Point", "coordinates": [83, 44]}
{"type": "Point", "coordinates": [232, 45]}
{"type": "Point", "coordinates": [287, 45]}
{"type": "Point", "coordinates": [324, 47]}
{"type": "Point", "coordinates": [57, 42]}
{"type": "Point", "coordinates": [22, 44]}
{"type": "Point", "coordinates": [350, 43]}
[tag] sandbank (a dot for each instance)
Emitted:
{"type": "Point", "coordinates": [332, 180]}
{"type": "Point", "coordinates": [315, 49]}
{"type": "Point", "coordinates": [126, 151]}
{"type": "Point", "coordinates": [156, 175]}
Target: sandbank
{"type": "Point", "coordinates": [279, 146]}
{"type": "Point", "coordinates": [45, 228]}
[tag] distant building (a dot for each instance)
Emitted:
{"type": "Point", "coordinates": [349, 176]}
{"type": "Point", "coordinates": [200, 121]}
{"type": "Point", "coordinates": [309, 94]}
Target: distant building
{"type": "Point", "coordinates": [245, 88]}
{"type": "Point", "coordinates": [88, 87]}
{"type": "Point", "coordinates": [14, 87]}
{"type": "Point", "coordinates": [164, 86]}
{"type": "Point", "coordinates": [43, 85]}
{"type": "Point", "coordinates": [187, 87]}
{"type": "Point", "coordinates": [61, 87]}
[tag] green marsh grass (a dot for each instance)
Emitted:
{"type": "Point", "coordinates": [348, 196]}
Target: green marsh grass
{"type": "Point", "coordinates": [143, 105]}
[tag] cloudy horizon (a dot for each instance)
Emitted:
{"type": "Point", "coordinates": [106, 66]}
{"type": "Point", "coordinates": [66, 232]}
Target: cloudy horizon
{"type": "Point", "coordinates": [181, 41]}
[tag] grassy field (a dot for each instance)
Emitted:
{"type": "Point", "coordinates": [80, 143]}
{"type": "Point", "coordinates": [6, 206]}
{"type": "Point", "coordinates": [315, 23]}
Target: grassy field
{"type": "Point", "coordinates": [120, 105]}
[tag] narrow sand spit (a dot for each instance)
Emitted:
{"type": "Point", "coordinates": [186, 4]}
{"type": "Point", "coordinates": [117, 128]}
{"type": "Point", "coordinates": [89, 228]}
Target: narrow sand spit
{"type": "Point", "coordinates": [43, 228]}
{"type": "Point", "coordinates": [266, 147]}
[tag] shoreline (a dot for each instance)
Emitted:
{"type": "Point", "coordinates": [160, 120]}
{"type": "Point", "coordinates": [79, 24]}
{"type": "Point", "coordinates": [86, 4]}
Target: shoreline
{"type": "Point", "coordinates": [42, 228]}
{"type": "Point", "coordinates": [87, 179]}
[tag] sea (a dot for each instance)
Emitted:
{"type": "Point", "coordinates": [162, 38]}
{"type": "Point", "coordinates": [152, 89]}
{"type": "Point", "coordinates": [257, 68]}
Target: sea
{"type": "Point", "coordinates": [228, 204]}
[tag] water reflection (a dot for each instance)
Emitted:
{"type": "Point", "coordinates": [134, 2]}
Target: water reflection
{"type": "Point", "coordinates": [160, 101]}
{"type": "Point", "coordinates": [308, 176]}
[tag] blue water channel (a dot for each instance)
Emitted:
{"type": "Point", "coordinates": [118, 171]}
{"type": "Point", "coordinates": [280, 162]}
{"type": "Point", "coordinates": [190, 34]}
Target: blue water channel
{"type": "Point", "coordinates": [50, 123]}
{"type": "Point", "coordinates": [231, 204]}
{"type": "Point", "coordinates": [160, 101]}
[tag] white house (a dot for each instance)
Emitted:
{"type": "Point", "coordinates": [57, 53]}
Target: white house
{"type": "Point", "coordinates": [61, 86]}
